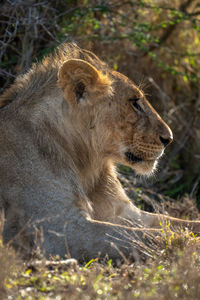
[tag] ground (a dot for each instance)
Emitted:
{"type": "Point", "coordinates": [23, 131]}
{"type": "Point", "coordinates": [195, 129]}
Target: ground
{"type": "Point", "coordinates": [171, 271]}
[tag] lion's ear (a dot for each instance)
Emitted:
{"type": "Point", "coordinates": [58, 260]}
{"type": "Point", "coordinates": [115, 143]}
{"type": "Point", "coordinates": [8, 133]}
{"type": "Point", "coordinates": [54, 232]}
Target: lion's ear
{"type": "Point", "coordinates": [77, 78]}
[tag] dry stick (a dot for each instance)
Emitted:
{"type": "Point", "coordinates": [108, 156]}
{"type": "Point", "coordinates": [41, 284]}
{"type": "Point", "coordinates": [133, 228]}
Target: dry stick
{"type": "Point", "coordinates": [183, 139]}
{"type": "Point", "coordinates": [11, 35]}
{"type": "Point", "coordinates": [163, 96]}
{"type": "Point", "coordinates": [195, 186]}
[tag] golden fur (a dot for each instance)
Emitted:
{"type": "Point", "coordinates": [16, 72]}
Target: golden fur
{"type": "Point", "coordinates": [63, 125]}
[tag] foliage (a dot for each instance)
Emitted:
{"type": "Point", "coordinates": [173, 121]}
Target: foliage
{"type": "Point", "coordinates": [147, 25]}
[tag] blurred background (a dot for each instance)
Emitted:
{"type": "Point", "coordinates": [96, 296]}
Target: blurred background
{"type": "Point", "coordinates": [154, 42]}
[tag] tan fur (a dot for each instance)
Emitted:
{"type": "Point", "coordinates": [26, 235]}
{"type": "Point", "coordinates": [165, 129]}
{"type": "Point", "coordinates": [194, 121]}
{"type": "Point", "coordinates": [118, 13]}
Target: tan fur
{"type": "Point", "coordinates": [63, 125]}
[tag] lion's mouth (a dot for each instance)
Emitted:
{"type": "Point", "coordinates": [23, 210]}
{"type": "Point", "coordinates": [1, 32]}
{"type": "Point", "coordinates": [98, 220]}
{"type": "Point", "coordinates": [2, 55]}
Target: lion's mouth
{"type": "Point", "coordinates": [132, 158]}
{"type": "Point", "coordinates": [143, 166]}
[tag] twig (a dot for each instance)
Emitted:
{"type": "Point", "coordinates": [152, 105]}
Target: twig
{"type": "Point", "coordinates": [197, 182]}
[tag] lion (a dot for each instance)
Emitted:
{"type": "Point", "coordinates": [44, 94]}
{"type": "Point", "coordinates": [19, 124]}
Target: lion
{"type": "Point", "coordinates": [63, 127]}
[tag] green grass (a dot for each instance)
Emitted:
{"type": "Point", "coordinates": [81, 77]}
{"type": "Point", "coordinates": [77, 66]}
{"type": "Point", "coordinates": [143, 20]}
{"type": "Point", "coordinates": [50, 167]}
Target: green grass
{"type": "Point", "coordinates": [173, 273]}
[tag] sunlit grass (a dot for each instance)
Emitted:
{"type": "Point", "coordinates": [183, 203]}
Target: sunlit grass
{"type": "Point", "coordinates": [173, 273]}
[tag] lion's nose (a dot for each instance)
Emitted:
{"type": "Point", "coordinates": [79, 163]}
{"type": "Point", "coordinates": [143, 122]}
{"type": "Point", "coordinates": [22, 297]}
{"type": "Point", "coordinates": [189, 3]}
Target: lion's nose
{"type": "Point", "coordinates": [166, 140]}
{"type": "Point", "coordinates": [165, 134]}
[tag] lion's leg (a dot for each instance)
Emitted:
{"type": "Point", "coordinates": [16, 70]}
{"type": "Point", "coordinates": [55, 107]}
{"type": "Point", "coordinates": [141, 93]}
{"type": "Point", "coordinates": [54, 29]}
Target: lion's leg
{"type": "Point", "coordinates": [156, 220]}
{"type": "Point", "coordinates": [116, 204]}
{"type": "Point", "coordinates": [90, 238]}
{"type": "Point", "coordinates": [111, 203]}
{"type": "Point", "coordinates": [85, 239]}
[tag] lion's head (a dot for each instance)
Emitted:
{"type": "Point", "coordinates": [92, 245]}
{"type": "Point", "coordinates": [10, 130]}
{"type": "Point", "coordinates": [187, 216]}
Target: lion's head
{"type": "Point", "coordinates": [118, 119]}
{"type": "Point", "coordinates": [107, 117]}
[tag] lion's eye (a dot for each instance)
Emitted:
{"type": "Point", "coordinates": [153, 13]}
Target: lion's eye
{"type": "Point", "coordinates": [135, 104]}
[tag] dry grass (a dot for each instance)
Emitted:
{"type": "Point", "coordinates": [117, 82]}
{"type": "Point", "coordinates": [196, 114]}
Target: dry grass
{"type": "Point", "coordinates": [172, 274]}
{"type": "Point", "coordinates": [9, 262]}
